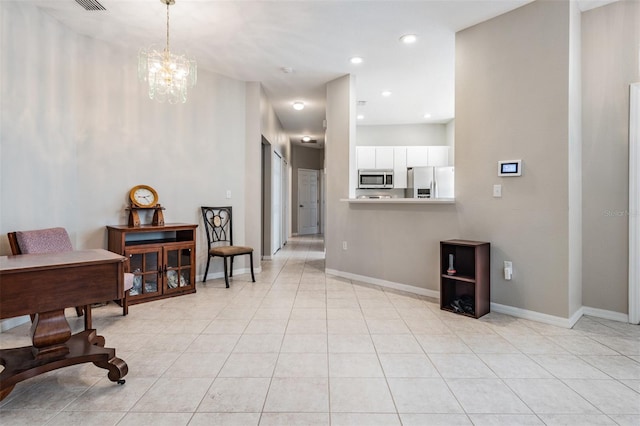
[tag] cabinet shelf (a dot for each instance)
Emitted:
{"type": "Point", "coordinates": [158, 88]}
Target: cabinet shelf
{"type": "Point", "coordinates": [459, 278]}
{"type": "Point", "coordinates": [147, 242]}
{"type": "Point", "coordinates": [468, 291]}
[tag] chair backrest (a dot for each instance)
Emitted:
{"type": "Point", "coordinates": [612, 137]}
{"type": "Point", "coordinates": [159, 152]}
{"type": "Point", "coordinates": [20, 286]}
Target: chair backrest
{"type": "Point", "coordinates": [217, 223]}
{"type": "Point", "coordinates": [50, 240]}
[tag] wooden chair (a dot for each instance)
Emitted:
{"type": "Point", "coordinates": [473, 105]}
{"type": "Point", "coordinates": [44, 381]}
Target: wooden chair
{"type": "Point", "coordinates": [51, 240]}
{"type": "Point", "coordinates": [218, 225]}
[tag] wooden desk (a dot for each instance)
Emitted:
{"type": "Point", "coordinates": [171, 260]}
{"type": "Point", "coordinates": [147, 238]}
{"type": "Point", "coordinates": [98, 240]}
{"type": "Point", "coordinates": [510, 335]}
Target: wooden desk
{"type": "Point", "coordinates": [46, 284]}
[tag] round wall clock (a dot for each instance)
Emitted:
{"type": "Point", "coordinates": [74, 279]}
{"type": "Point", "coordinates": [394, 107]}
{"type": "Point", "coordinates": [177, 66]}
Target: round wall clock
{"type": "Point", "coordinates": [143, 196]}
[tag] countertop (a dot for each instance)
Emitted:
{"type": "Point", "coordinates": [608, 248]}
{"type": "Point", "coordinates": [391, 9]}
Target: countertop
{"type": "Point", "coordinates": [400, 200]}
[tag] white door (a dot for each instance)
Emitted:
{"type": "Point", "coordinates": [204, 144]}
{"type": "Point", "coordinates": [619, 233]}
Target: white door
{"type": "Point", "coordinates": [307, 201]}
{"type": "Point", "coordinates": [286, 201]}
{"type": "Point", "coordinates": [276, 204]}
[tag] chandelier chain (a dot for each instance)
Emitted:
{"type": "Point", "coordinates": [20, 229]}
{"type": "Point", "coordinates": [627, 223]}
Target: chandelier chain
{"type": "Point", "coordinates": [167, 49]}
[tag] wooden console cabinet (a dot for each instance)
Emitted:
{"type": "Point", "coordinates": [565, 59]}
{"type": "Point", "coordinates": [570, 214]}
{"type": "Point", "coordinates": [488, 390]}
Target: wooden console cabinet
{"type": "Point", "coordinates": [469, 286]}
{"type": "Point", "coordinates": [162, 258]}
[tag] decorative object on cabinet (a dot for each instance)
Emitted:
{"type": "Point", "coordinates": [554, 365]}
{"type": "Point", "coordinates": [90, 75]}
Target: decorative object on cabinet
{"type": "Point", "coordinates": [162, 258]}
{"type": "Point", "coordinates": [467, 290]}
{"type": "Point", "coordinates": [218, 225]}
{"type": "Point", "coordinates": [169, 76]}
{"type": "Point", "coordinates": [144, 197]}
{"type": "Point", "coordinates": [56, 240]}
{"type": "Point", "coordinates": [451, 270]}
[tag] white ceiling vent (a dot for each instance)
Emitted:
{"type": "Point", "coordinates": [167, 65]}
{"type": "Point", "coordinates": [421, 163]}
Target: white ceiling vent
{"type": "Point", "coordinates": [90, 4]}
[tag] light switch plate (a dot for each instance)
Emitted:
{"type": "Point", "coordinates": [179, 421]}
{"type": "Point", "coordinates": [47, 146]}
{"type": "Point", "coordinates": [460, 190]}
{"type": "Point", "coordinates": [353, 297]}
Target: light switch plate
{"type": "Point", "coordinates": [497, 191]}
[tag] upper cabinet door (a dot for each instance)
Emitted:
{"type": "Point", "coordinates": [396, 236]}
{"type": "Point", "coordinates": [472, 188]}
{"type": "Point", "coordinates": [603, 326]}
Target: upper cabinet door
{"type": "Point", "coordinates": [384, 157]}
{"type": "Point", "coordinates": [438, 156]}
{"type": "Point", "coordinates": [366, 157]}
{"type": "Point", "coordinates": [417, 156]}
{"type": "Point", "coordinates": [400, 167]}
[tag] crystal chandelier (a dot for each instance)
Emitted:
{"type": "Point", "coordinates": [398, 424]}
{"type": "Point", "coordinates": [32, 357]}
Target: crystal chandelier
{"type": "Point", "coordinates": [168, 75]}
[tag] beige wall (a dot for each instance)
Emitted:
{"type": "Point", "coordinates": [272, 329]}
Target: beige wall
{"type": "Point", "coordinates": [253, 218]}
{"type": "Point", "coordinates": [547, 85]}
{"type": "Point", "coordinates": [386, 244]}
{"type": "Point", "coordinates": [302, 158]}
{"type": "Point", "coordinates": [512, 102]}
{"type": "Point", "coordinates": [512, 97]}
{"type": "Point", "coordinates": [339, 154]}
{"type": "Point", "coordinates": [610, 63]}
{"type": "Point", "coordinates": [273, 139]}
{"type": "Point", "coordinates": [77, 131]}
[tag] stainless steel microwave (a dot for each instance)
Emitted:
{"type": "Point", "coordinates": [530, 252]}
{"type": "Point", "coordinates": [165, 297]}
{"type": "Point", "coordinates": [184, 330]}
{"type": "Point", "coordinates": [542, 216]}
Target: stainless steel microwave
{"type": "Point", "coordinates": [375, 179]}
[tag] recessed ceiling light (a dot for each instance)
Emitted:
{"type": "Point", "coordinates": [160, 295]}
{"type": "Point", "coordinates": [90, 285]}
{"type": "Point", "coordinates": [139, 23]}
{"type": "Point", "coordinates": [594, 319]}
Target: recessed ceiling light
{"type": "Point", "coordinates": [427, 115]}
{"type": "Point", "coordinates": [386, 93]}
{"type": "Point", "coordinates": [409, 38]}
{"type": "Point", "coordinates": [306, 138]}
{"type": "Point", "coordinates": [298, 105]}
{"type": "Point", "coordinates": [360, 117]}
{"type": "Point", "coordinates": [356, 60]}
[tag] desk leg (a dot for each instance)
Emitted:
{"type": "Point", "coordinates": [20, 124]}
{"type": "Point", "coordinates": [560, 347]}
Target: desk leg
{"type": "Point", "coordinates": [86, 346]}
{"type": "Point", "coordinates": [49, 333]}
{"type": "Point", "coordinates": [87, 318]}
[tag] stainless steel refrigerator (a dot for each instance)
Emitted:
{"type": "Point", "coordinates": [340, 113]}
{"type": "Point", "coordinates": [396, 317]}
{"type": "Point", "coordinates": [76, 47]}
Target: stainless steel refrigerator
{"type": "Point", "coordinates": [430, 182]}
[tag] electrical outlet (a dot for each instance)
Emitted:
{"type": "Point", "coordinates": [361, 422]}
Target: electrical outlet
{"type": "Point", "coordinates": [497, 191]}
{"type": "Point", "coordinates": [508, 270]}
{"type": "Point", "coordinates": [228, 193]}
{"type": "Point", "coordinates": [344, 245]}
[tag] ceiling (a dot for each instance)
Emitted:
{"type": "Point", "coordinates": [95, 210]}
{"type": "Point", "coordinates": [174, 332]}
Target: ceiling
{"type": "Point", "coordinates": [256, 40]}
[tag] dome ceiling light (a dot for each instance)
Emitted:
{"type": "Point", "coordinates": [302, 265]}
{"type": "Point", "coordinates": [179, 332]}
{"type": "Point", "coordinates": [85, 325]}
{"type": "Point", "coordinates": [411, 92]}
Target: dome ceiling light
{"type": "Point", "coordinates": [409, 38]}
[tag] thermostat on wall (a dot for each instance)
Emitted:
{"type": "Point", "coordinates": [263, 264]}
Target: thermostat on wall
{"type": "Point", "coordinates": [510, 168]}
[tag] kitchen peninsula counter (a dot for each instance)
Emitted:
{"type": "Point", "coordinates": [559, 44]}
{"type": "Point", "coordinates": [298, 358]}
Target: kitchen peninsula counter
{"type": "Point", "coordinates": [399, 200]}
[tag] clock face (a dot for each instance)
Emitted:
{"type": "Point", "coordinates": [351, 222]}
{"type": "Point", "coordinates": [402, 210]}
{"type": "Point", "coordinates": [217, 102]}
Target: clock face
{"type": "Point", "coordinates": [143, 196]}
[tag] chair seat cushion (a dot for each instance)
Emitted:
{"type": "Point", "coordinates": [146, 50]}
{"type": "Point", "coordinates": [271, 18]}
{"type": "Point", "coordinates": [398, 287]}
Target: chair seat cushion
{"type": "Point", "coordinates": [128, 281]}
{"type": "Point", "coordinates": [230, 250]}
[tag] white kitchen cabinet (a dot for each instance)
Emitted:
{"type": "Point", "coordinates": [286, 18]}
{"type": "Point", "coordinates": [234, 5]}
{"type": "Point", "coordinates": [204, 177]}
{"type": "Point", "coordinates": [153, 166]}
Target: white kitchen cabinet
{"type": "Point", "coordinates": [417, 156]}
{"type": "Point", "coordinates": [366, 157]}
{"type": "Point", "coordinates": [384, 157]}
{"type": "Point", "coordinates": [400, 167]}
{"type": "Point", "coordinates": [438, 156]}
{"type": "Point", "coordinates": [374, 157]}
{"type": "Point", "coordinates": [426, 156]}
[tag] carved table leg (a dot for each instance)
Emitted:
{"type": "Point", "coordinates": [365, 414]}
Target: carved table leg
{"type": "Point", "coordinates": [117, 369]}
{"type": "Point", "coordinates": [49, 333]}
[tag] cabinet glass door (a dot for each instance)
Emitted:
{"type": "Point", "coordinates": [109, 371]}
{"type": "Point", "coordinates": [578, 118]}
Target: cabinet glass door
{"type": "Point", "coordinates": [144, 264]}
{"type": "Point", "coordinates": [179, 268]}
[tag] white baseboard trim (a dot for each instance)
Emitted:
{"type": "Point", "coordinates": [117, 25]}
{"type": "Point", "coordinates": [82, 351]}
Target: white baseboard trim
{"type": "Point", "coordinates": [9, 323]}
{"type": "Point", "coordinates": [532, 315]}
{"type": "Point", "coordinates": [604, 314]}
{"type": "Point", "coordinates": [495, 307]}
{"type": "Point", "coordinates": [214, 275]}
{"type": "Point", "coordinates": [384, 283]}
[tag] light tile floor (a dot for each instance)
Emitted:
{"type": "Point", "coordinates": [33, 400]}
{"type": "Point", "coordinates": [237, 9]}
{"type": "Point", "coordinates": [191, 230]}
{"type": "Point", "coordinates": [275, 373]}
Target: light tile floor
{"type": "Point", "coordinates": [299, 347]}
